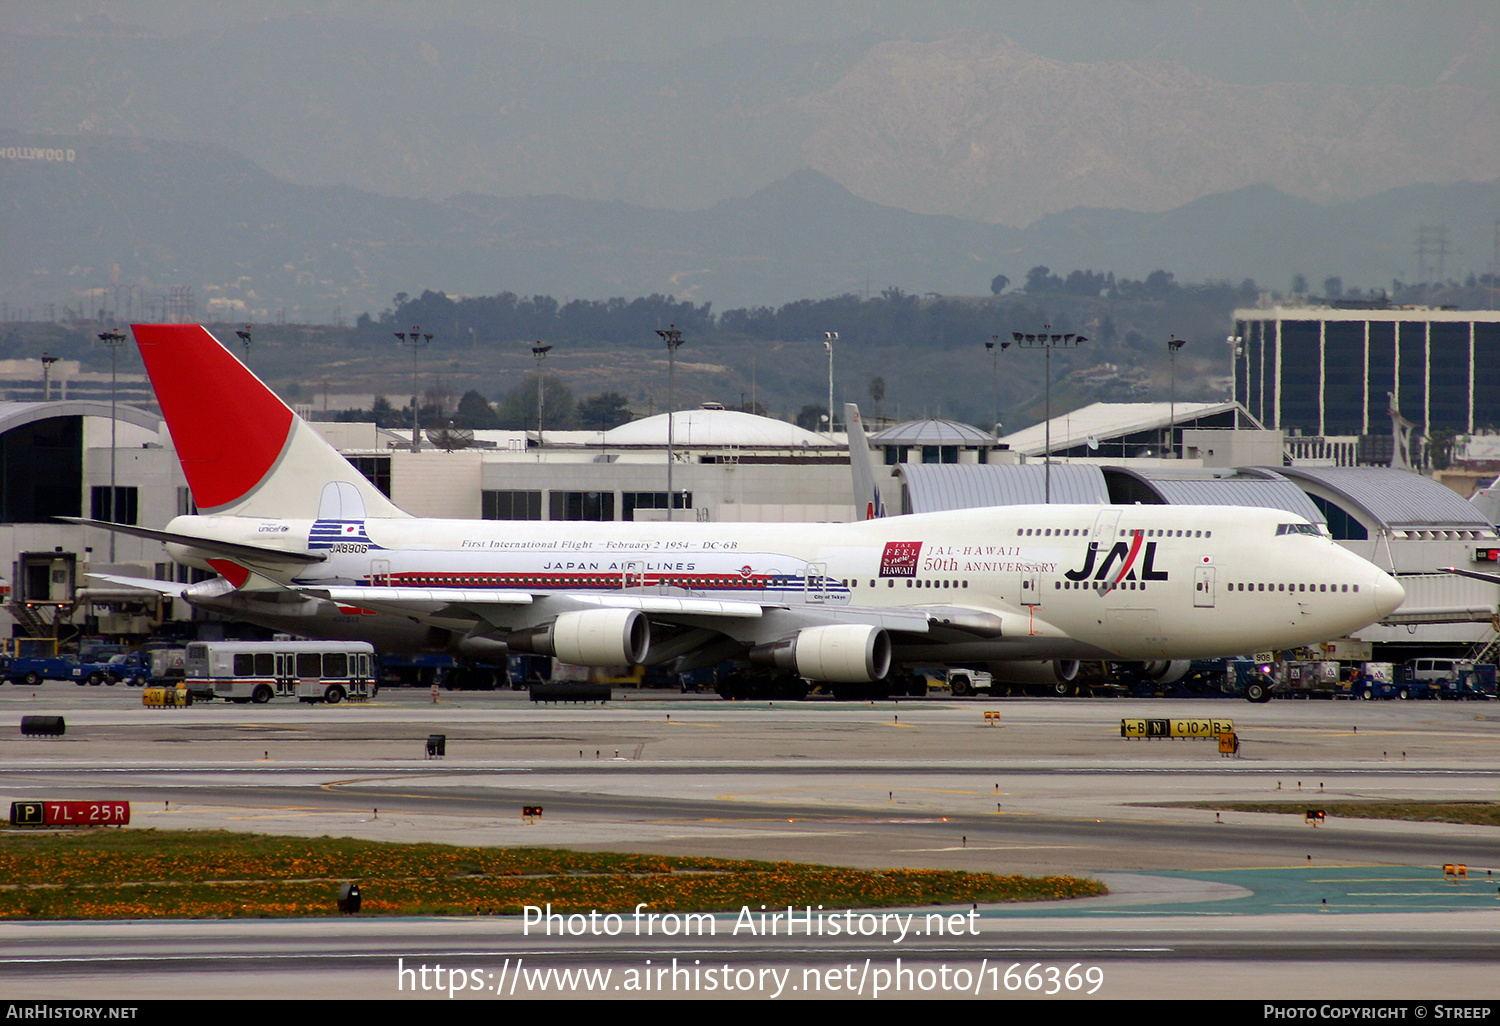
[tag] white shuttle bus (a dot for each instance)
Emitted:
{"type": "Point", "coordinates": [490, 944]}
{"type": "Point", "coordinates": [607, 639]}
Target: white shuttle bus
{"type": "Point", "coordinates": [258, 671]}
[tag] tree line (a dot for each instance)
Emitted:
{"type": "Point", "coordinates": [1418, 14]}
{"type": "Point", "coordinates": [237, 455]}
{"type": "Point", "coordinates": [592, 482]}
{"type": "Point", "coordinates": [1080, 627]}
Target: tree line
{"type": "Point", "coordinates": [893, 317]}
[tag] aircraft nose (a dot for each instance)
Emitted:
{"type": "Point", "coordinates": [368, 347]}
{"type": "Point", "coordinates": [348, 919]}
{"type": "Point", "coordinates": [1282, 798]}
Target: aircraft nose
{"type": "Point", "coordinates": [1388, 595]}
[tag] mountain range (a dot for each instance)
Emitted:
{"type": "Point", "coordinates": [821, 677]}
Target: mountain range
{"type": "Point", "coordinates": [973, 125]}
{"type": "Point", "coordinates": [86, 217]}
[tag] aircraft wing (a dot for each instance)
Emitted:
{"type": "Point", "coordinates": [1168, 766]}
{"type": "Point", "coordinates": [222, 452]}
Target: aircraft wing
{"type": "Point", "coordinates": [1478, 575]}
{"type": "Point", "coordinates": [401, 599]}
{"type": "Point", "coordinates": [490, 605]}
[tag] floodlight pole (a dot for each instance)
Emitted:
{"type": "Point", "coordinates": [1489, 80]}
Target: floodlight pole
{"type": "Point", "coordinates": [1048, 342]}
{"type": "Point", "coordinates": [416, 341]}
{"type": "Point", "coordinates": [1234, 342]}
{"type": "Point", "coordinates": [1173, 344]}
{"type": "Point", "coordinates": [673, 338]}
{"type": "Point", "coordinates": [540, 352]}
{"type": "Point", "coordinates": [994, 345]}
{"type": "Point", "coordinates": [829, 338]}
{"type": "Point", "coordinates": [114, 340]}
{"type": "Point", "coordinates": [47, 361]}
{"type": "Point", "coordinates": [244, 336]}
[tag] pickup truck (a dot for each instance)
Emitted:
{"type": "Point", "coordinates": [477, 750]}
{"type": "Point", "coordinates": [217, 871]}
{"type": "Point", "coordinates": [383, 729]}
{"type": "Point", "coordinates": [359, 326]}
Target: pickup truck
{"type": "Point", "coordinates": [35, 669]}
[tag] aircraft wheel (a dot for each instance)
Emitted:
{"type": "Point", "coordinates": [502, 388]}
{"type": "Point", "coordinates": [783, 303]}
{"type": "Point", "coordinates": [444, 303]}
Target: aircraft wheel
{"type": "Point", "coordinates": [796, 689]}
{"type": "Point", "coordinates": [261, 695]}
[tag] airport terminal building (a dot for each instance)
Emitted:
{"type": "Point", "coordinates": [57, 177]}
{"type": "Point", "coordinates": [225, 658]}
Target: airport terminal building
{"type": "Point", "coordinates": [1329, 371]}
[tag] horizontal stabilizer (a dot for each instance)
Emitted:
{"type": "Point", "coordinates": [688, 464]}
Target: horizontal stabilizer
{"type": "Point", "coordinates": [172, 588]}
{"type": "Point", "coordinates": [234, 550]}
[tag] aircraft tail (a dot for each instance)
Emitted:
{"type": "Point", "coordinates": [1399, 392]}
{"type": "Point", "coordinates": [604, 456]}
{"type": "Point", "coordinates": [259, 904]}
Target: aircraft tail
{"type": "Point", "coordinates": [244, 452]}
{"type": "Point", "coordinates": [867, 498]}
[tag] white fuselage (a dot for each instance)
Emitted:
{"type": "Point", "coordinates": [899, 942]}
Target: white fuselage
{"type": "Point", "coordinates": [1119, 582]}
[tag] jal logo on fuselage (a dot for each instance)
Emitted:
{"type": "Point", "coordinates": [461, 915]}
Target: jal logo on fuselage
{"type": "Point", "coordinates": [1126, 553]}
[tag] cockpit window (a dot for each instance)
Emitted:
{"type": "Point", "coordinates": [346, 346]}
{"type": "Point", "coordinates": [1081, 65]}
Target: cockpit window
{"type": "Point", "coordinates": [1298, 529]}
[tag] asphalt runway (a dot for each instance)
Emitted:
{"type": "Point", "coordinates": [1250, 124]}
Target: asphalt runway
{"type": "Point", "coordinates": [1201, 904]}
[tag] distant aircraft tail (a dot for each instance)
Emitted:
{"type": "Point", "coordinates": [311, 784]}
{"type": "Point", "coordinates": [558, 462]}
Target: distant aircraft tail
{"type": "Point", "coordinates": [866, 491]}
{"type": "Point", "coordinates": [244, 452]}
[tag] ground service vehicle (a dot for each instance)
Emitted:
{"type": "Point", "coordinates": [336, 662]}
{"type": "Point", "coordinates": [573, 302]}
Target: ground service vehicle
{"type": "Point", "coordinates": [258, 671]}
{"type": "Point", "coordinates": [968, 682]}
{"type": "Point", "coordinates": [35, 669]}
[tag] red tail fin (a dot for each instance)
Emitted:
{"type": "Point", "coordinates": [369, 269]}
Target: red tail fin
{"type": "Point", "coordinates": [229, 429]}
{"type": "Point", "coordinates": [242, 449]}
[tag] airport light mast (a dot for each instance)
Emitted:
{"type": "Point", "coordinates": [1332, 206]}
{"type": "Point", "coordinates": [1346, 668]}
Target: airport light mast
{"type": "Point", "coordinates": [994, 345]}
{"type": "Point", "coordinates": [47, 361]}
{"type": "Point", "coordinates": [1173, 344]}
{"type": "Point", "coordinates": [829, 338]}
{"type": "Point", "coordinates": [672, 336]}
{"type": "Point", "coordinates": [1236, 344]}
{"type": "Point", "coordinates": [114, 340]}
{"type": "Point", "coordinates": [539, 351]}
{"type": "Point", "coordinates": [1048, 342]}
{"type": "Point", "coordinates": [416, 341]}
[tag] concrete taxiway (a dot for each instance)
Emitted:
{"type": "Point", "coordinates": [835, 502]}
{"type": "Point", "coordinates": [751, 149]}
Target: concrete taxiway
{"type": "Point", "coordinates": [1051, 787]}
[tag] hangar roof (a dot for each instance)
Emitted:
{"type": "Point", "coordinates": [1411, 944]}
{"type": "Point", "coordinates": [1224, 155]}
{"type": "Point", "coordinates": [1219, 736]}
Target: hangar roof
{"type": "Point", "coordinates": [939, 486]}
{"type": "Point", "coordinates": [714, 427]}
{"type": "Point", "coordinates": [1246, 487]}
{"type": "Point", "coordinates": [932, 432]}
{"type": "Point", "coordinates": [1397, 500]}
{"type": "Point", "coordinates": [1102, 421]}
{"type": "Point", "coordinates": [14, 415]}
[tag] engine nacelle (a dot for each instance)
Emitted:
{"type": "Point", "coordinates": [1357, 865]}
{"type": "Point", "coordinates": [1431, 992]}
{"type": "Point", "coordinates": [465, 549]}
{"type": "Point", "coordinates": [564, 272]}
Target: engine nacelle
{"type": "Point", "coordinates": [1166, 671]}
{"type": "Point", "coordinates": [843, 652]}
{"type": "Point", "coordinates": [484, 650]}
{"type": "Point", "coordinates": [1035, 671]}
{"type": "Point", "coordinates": [593, 637]}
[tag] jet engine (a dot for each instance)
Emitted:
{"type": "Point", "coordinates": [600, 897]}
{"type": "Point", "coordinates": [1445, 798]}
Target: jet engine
{"type": "Point", "coordinates": [1165, 671]}
{"type": "Point", "coordinates": [845, 652]}
{"type": "Point", "coordinates": [1035, 671]}
{"type": "Point", "coordinates": [593, 637]}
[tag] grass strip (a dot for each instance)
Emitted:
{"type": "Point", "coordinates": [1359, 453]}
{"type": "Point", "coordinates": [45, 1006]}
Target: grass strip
{"type": "Point", "coordinates": [130, 874]}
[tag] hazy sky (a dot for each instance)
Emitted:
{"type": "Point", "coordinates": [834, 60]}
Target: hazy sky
{"type": "Point", "coordinates": [1359, 42]}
